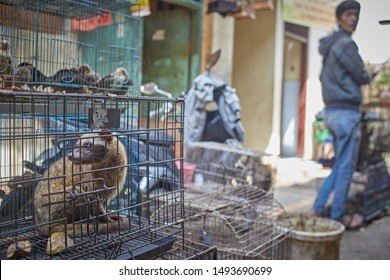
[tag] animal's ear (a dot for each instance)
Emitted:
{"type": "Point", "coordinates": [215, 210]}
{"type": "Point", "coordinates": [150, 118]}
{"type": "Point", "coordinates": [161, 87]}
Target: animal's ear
{"type": "Point", "coordinates": [106, 135]}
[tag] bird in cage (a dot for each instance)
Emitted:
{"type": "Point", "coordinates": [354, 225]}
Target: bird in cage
{"type": "Point", "coordinates": [26, 73]}
{"type": "Point", "coordinates": [68, 80]}
{"type": "Point", "coordinates": [117, 82]}
{"type": "Point", "coordinates": [81, 79]}
{"type": "Point", "coordinates": [6, 69]}
{"type": "Point", "coordinates": [89, 76]}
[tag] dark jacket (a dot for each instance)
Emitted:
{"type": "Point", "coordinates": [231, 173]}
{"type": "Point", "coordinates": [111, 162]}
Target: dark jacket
{"type": "Point", "coordinates": [343, 71]}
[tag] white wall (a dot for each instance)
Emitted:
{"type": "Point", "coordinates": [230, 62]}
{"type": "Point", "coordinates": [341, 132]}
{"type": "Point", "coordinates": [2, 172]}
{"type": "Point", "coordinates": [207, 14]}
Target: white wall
{"type": "Point", "coordinates": [313, 87]}
{"type": "Point", "coordinates": [223, 36]}
{"type": "Point", "coordinates": [372, 38]}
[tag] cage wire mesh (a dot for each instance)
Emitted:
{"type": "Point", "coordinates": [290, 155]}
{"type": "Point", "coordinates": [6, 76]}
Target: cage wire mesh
{"type": "Point", "coordinates": [70, 46]}
{"type": "Point", "coordinates": [241, 221]}
{"type": "Point", "coordinates": [69, 69]}
{"type": "Point", "coordinates": [227, 163]}
{"type": "Point", "coordinates": [40, 130]}
{"type": "Point", "coordinates": [189, 250]}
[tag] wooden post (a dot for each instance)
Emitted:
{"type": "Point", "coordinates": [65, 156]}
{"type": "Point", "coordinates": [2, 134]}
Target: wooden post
{"type": "Point", "coordinates": [207, 32]}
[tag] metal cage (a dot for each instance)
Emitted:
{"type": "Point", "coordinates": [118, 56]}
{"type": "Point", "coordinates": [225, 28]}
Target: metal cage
{"type": "Point", "coordinates": [228, 163]}
{"type": "Point", "coordinates": [189, 250]}
{"type": "Point", "coordinates": [70, 46]}
{"type": "Point", "coordinates": [242, 222]}
{"type": "Point", "coordinates": [81, 154]}
{"type": "Point", "coordinates": [42, 146]}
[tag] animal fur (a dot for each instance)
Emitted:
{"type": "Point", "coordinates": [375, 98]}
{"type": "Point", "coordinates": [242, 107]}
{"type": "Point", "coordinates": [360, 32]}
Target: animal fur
{"type": "Point", "coordinates": [117, 82]}
{"type": "Point", "coordinates": [90, 78]}
{"type": "Point", "coordinates": [6, 69]}
{"type": "Point", "coordinates": [74, 192]}
{"type": "Point", "coordinates": [74, 80]}
{"type": "Point", "coordinates": [26, 73]}
{"type": "Point", "coordinates": [65, 80]}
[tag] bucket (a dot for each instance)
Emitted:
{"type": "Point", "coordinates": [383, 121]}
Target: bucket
{"type": "Point", "coordinates": [188, 170]}
{"type": "Point", "coordinates": [313, 238]}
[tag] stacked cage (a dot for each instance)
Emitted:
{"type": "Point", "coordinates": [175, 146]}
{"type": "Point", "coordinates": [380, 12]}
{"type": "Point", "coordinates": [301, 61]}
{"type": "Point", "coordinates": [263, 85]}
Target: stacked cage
{"type": "Point", "coordinates": [242, 222]}
{"type": "Point", "coordinates": [228, 163]}
{"type": "Point", "coordinates": [66, 181]}
{"type": "Point", "coordinates": [369, 192]}
{"type": "Point", "coordinates": [77, 143]}
{"type": "Point", "coordinates": [70, 46]}
{"type": "Point", "coordinates": [189, 250]}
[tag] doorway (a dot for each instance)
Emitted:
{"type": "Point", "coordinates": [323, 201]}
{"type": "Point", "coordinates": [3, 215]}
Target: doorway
{"type": "Point", "coordinates": [294, 90]}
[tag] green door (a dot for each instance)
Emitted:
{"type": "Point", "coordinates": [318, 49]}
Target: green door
{"type": "Point", "coordinates": [171, 49]}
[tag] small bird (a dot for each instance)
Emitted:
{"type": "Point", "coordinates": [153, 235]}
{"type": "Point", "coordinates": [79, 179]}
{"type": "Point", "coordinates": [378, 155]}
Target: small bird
{"type": "Point", "coordinates": [117, 82]}
{"type": "Point", "coordinates": [74, 80]}
{"type": "Point", "coordinates": [26, 73]}
{"type": "Point", "coordinates": [67, 80]}
{"type": "Point", "coordinates": [6, 69]}
{"type": "Point", "coordinates": [90, 78]}
{"type": "Point", "coordinates": [22, 76]}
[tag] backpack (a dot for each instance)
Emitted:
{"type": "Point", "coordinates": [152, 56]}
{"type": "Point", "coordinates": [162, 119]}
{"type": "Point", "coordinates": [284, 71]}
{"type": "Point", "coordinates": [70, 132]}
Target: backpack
{"type": "Point", "coordinates": [212, 111]}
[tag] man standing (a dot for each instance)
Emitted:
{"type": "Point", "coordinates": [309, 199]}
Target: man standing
{"type": "Point", "coordinates": [342, 75]}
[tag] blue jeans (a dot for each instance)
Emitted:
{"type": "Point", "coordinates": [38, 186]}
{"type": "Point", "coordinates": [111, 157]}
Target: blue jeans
{"type": "Point", "coordinates": [344, 127]}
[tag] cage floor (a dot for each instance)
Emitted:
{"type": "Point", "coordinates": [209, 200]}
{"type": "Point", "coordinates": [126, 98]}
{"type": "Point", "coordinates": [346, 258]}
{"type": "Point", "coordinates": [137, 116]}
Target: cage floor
{"type": "Point", "coordinates": [185, 249]}
{"type": "Point", "coordinates": [139, 244]}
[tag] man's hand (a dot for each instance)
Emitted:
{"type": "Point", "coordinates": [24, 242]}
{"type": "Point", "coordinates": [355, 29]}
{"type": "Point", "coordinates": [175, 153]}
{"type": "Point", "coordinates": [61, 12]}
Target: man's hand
{"type": "Point", "coordinates": [375, 70]}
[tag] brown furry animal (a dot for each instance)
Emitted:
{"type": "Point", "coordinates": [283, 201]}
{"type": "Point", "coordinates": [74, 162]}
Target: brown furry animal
{"type": "Point", "coordinates": [74, 80]}
{"type": "Point", "coordinates": [6, 69]}
{"type": "Point", "coordinates": [65, 80]}
{"type": "Point", "coordinates": [90, 78]}
{"type": "Point", "coordinates": [26, 73]}
{"type": "Point", "coordinates": [22, 76]}
{"type": "Point", "coordinates": [74, 199]}
{"type": "Point", "coordinates": [117, 82]}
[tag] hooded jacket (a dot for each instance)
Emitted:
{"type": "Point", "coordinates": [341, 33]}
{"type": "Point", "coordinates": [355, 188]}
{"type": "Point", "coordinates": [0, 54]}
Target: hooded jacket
{"type": "Point", "coordinates": [343, 71]}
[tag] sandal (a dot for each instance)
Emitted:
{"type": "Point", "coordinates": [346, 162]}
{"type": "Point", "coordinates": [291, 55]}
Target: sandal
{"type": "Point", "coordinates": [353, 222]}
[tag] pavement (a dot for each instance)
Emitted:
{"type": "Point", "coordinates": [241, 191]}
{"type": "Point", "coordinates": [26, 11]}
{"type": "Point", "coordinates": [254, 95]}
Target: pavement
{"type": "Point", "coordinates": [296, 185]}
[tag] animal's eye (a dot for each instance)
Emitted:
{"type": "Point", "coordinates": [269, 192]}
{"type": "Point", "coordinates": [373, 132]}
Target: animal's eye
{"type": "Point", "coordinates": [87, 145]}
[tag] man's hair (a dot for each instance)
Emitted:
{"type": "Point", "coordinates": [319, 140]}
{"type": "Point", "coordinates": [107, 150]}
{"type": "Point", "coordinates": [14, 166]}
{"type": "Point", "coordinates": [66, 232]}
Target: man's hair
{"type": "Point", "coordinates": [346, 5]}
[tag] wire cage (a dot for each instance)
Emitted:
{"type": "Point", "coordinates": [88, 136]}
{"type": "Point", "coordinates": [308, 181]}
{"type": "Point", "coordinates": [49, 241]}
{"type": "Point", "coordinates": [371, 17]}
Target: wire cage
{"type": "Point", "coordinates": [71, 170]}
{"type": "Point", "coordinates": [369, 192]}
{"type": "Point", "coordinates": [70, 46]}
{"type": "Point", "coordinates": [228, 163]}
{"type": "Point", "coordinates": [241, 221]}
{"type": "Point", "coordinates": [189, 250]}
{"type": "Point", "coordinates": [81, 154]}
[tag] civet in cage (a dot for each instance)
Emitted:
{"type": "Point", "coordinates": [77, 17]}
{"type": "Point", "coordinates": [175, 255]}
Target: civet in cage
{"type": "Point", "coordinates": [71, 187]}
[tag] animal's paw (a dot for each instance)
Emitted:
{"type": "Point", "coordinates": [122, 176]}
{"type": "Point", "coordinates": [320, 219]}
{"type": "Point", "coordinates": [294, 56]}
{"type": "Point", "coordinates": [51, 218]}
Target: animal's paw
{"type": "Point", "coordinates": [19, 249]}
{"type": "Point", "coordinates": [56, 243]}
{"type": "Point", "coordinates": [119, 223]}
